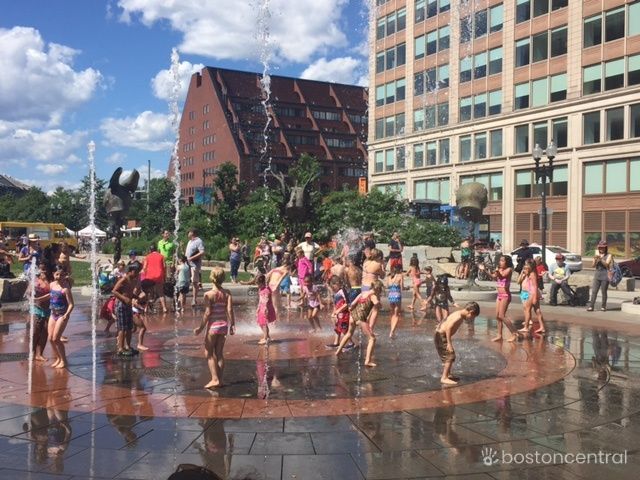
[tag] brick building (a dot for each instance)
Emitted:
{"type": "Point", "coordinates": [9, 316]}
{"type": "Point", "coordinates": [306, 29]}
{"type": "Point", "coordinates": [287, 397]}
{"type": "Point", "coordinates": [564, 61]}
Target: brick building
{"type": "Point", "coordinates": [224, 120]}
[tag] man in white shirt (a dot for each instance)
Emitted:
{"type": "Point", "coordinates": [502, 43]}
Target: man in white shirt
{"type": "Point", "coordinates": [309, 247]}
{"type": "Point", "coordinates": [195, 253]}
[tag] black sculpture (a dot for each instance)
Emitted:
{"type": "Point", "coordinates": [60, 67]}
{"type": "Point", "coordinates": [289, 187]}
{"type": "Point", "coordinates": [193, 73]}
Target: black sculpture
{"type": "Point", "coordinates": [117, 201]}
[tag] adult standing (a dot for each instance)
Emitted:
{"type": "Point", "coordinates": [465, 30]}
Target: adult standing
{"type": "Point", "coordinates": [395, 252]}
{"type": "Point", "coordinates": [602, 263]}
{"type": "Point", "coordinates": [194, 253]}
{"type": "Point", "coordinates": [524, 253]}
{"type": "Point", "coordinates": [277, 251]}
{"type": "Point", "coordinates": [369, 244]}
{"type": "Point", "coordinates": [29, 252]}
{"type": "Point", "coordinates": [235, 258]}
{"type": "Point", "coordinates": [309, 247]}
{"type": "Point", "coordinates": [154, 274]}
{"type": "Point", "coordinates": [166, 247]}
{"type": "Point", "coordinates": [559, 274]}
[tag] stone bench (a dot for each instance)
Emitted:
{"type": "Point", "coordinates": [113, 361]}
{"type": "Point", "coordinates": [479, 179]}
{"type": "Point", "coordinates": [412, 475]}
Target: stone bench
{"type": "Point", "coordinates": [12, 289]}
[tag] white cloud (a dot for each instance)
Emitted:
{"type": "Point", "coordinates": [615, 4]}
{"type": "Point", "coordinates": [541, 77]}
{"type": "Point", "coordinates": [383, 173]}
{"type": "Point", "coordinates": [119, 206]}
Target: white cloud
{"type": "Point", "coordinates": [22, 146]}
{"type": "Point", "coordinates": [49, 185]}
{"type": "Point", "coordinates": [337, 70]}
{"type": "Point", "coordinates": [155, 173]}
{"type": "Point", "coordinates": [148, 131]}
{"type": "Point", "coordinates": [115, 158]}
{"type": "Point", "coordinates": [225, 29]}
{"type": "Point", "coordinates": [162, 83]}
{"type": "Point", "coordinates": [73, 159]}
{"type": "Point", "coordinates": [51, 168]}
{"type": "Point", "coordinates": [38, 83]}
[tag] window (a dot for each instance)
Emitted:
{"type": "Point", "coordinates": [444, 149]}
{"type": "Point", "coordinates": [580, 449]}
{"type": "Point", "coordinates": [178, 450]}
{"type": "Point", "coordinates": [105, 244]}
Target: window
{"type": "Point", "coordinates": [633, 21]}
{"type": "Point", "coordinates": [634, 175]}
{"type": "Point", "coordinates": [559, 131]}
{"type": "Point", "coordinates": [391, 59]}
{"type": "Point", "coordinates": [540, 134]}
{"type": "Point", "coordinates": [495, 186]}
{"type": "Point", "coordinates": [380, 62]}
{"type": "Point", "coordinates": [540, 43]}
{"type": "Point", "coordinates": [389, 160]}
{"type": "Point", "coordinates": [445, 5]}
{"type": "Point", "coordinates": [443, 114]}
{"type": "Point", "coordinates": [495, 61]}
{"type": "Point", "coordinates": [380, 28]}
{"type": "Point", "coordinates": [523, 10]}
{"type": "Point", "coordinates": [558, 41]}
{"type": "Point", "coordinates": [430, 116]}
{"type": "Point", "coordinates": [522, 96]}
{"type": "Point", "coordinates": [614, 24]}
{"type": "Point", "coordinates": [418, 155]}
{"type": "Point", "coordinates": [401, 22]}
{"type": "Point", "coordinates": [432, 42]}
{"type": "Point", "coordinates": [540, 7]}
{"type": "Point", "coordinates": [430, 77]}
{"type": "Point", "coordinates": [593, 178]}
{"type": "Point", "coordinates": [480, 106]}
{"type": "Point", "coordinates": [418, 120]}
{"type": "Point", "coordinates": [615, 123]}
{"type": "Point", "coordinates": [389, 127]}
{"type": "Point", "coordinates": [556, 4]}
{"type": "Point", "coordinates": [419, 46]}
{"type": "Point", "coordinates": [591, 128]}
{"type": "Point", "coordinates": [592, 79]}
{"type": "Point", "coordinates": [400, 158]}
{"type": "Point", "coordinates": [418, 84]}
{"type": "Point", "coordinates": [400, 89]}
{"type": "Point", "coordinates": [522, 139]}
{"type": "Point", "coordinates": [465, 69]}
{"type": "Point", "coordinates": [522, 52]}
{"type": "Point", "coordinates": [634, 124]}
{"type": "Point", "coordinates": [443, 38]}
{"type": "Point", "coordinates": [558, 87]}
{"type": "Point", "coordinates": [465, 148]}
{"type": "Point", "coordinates": [379, 128]}
{"type": "Point", "coordinates": [443, 76]}
{"type": "Point", "coordinates": [495, 140]}
{"type": "Point", "coordinates": [540, 92]}
{"type": "Point", "coordinates": [616, 177]}
{"type": "Point", "coordinates": [496, 17]}
{"type": "Point", "coordinates": [432, 8]}
{"type": "Point", "coordinates": [480, 146]}
{"type": "Point", "coordinates": [380, 90]}
{"type": "Point", "coordinates": [633, 76]}
{"type": "Point", "coordinates": [443, 151]}
{"type": "Point", "coordinates": [466, 28]}
{"type": "Point", "coordinates": [560, 184]}
{"type": "Point", "coordinates": [480, 65]}
{"type": "Point", "coordinates": [420, 11]}
{"type": "Point", "coordinates": [431, 153]}
{"type": "Point", "coordinates": [480, 23]}
{"type": "Point", "coordinates": [523, 184]}
{"type": "Point", "coordinates": [614, 74]}
{"type": "Point", "coordinates": [437, 189]}
{"type": "Point", "coordinates": [592, 31]}
{"type": "Point", "coordinates": [379, 161]}
{"type": "Point", "coordinates": [465, 109]}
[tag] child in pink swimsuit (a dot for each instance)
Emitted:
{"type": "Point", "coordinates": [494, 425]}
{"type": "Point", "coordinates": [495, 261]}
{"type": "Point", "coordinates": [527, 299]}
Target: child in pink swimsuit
{"type": "Point", "coordinates": [266, 314]}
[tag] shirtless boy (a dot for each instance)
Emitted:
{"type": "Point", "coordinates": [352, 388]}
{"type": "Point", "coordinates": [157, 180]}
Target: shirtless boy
{"type": "Point", "coordinates": [125, 292]}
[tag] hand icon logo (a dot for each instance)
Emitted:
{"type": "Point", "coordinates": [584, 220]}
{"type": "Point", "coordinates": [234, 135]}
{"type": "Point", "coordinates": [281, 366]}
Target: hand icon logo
{"type": "Point", "coordinates": [489, 456]}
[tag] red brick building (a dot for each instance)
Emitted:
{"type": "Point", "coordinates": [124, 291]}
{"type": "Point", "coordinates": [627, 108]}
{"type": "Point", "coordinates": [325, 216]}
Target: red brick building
{"type": "Point", "coordinates": [224, 119]}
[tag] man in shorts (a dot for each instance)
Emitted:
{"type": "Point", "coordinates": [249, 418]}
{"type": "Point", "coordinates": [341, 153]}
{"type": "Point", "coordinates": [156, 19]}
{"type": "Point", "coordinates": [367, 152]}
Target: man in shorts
{"type": "Point", "coordinates": [125, 292]}
{"type": "Point", "coordinates": [154, 276]}
{"type": "Point", "coordinates": [195, 253]}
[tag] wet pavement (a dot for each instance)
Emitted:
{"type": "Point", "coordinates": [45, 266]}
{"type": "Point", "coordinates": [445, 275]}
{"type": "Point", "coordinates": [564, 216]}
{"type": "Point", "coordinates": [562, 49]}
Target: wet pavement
{"type": "Point", "coordinates": [551, 407]}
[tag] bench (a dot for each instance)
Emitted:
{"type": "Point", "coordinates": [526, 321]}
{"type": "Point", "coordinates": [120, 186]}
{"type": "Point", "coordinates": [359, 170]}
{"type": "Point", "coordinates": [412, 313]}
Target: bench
{"type": "Point", "coordinates": [439, 254]}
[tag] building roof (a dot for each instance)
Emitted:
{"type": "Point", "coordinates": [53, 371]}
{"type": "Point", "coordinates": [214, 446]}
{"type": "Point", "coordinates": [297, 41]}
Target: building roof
{"type": "Point", "coordinates": [7, 182]}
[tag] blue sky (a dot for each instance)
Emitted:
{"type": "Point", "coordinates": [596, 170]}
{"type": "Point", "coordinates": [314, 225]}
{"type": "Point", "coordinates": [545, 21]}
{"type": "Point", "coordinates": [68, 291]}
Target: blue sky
{"type": "Point", "coordinates": [79, 70]}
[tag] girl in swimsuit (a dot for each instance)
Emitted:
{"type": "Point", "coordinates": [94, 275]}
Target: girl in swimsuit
{"type": "Point", "coordinates": [440, 298]}
{"type": "Point", "coordinates": [414, 274]}
{"type": "Point", "coordinates": [220, 321]}
{"type": "Point", "coordinates": [41, 313]}
{"type": "Point", "coordinates": [312, 296]}
{"type": "Point", "coordinates": [61, 305]}
{"type": "Point", "coordinates": [364, 309]}
{"type": "Point", "coordinates": [372, 269]}
{"type": "Point", "coordinates": [266, 313]}
{"type": "Point", "coordinates": [395, 285]}
{"type": "Point", "coordinates": [530, 296]}
{"type": "Point", "coordinates": [502, 275]}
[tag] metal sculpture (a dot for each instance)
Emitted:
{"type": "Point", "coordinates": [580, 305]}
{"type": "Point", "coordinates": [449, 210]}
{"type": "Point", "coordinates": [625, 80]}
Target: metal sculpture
{"type": "Point", "coordinates": [117, 201]}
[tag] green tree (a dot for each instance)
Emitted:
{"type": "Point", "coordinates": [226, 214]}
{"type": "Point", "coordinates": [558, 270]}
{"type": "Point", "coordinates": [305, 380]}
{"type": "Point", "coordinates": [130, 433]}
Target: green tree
{"type": "Point", "coordinates": [33, 206]}
{"type": "Point", "coordinates": [261, 214]}
{"type": "Point", "coordinates": [228, 196]}
{"type": "Point", "coordinates": [158, 213]}
{"type": "Point", "coordinates": [7, 207]}
{"type": "Point", "coordinates": [84, 195]}
{"type": "Point", "coordinates": [67, 207]}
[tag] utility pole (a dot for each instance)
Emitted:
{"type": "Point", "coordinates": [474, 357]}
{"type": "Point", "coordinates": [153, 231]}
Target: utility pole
{"type": "Point", "coordinates": [148, 182]}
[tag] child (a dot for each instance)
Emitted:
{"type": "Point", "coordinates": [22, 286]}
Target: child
{"type": "Point", "coordinates": [40, 313]}
{"type": "Point", "coordinates": [139, 309]}
{"type": "Point", "coordinates": [220, 321]}
{"type": "Point", "coordinates": [364, 309]}
{"type": "Point", "coordinates": [395, 284]}
{"type": "Point", "coordinates": [444, 334]}
{"type": "Point", "coordinates": [340, 312]}
{"type": "Point", "coordinates": [414, 274]}
{"type": "Point", "coordinates": [108, 313]}
{"type": "Point", "coordinates": [429, 281]}
{"type": "Point", "coordinates": [182, 285]}
{"type": "Point", "coordinates": [541, 271]}
{"type": "Point", "coordinates": [266, 312]}
{"type": "Point", "coordinates": [274, 279]}
{"type": "Point", "coordinates": [440, 298]}
{"type": "Point", "coordinates": [311, 294]}
{"type": "Point", "coordinates": [125, 291]}
{"type": "Point", "coordinates": [61, 305]}
{"type": "Point", "coordinates": [530, 297]}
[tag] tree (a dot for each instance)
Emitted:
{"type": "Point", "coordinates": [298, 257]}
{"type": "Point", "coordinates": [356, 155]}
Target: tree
{"type": "Point", "coordinates": [160, 213]}
{"type": "Point", "coordinates": [84, 195]}
{"type": "Point", "coordinates": [33, 206]}
{"type": "Point", "coordinates": [228, 196]}
{"type": "Point", "coordinates": [261, 214]}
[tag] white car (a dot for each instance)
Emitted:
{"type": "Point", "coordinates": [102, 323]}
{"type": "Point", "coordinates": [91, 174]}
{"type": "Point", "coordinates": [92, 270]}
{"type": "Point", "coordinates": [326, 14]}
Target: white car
{"type": "Point", "coordinates": [573, 260]}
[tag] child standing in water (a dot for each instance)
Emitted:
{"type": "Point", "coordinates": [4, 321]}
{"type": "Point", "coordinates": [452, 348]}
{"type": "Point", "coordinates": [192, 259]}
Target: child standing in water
{"type": "Point", "coordinates": [443, 339]}
{"type": "Point", "coordinates": [60, 305]}
{"type": "Point", "coordinates": [440, 298]}
{"type": "Point", "coordinates": [340, 312]}
{"type": "Point", "coordinates": [414, 274]}
{"type": "Point", "coordinates": [395, 285]}
{"type": "Point", "coordinates": [139, 309]}
{"type": "Point", "coordinates": [502, 275]}
{"type": "Point", "coordinates": [220, 321]}
{"type": "Point", "coordinates": [266, 313]}
{"type": "Point", "coordinates": [364, 310]}
{"type": "Point", "coordinates": [182, 285]}
{"type": "Point", "coordinates": [311, 294]}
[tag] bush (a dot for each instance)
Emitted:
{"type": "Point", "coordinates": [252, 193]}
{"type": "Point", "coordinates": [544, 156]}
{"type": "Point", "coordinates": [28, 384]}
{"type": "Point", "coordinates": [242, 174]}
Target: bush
{"type": "Point", "coordinates": [139, 244]}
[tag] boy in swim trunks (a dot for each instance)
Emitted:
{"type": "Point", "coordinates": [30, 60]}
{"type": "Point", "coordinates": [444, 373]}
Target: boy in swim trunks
{"type": "Point", "coordinates": [125, 292]}
{"type": "Point", "coordinates": [443, 339]}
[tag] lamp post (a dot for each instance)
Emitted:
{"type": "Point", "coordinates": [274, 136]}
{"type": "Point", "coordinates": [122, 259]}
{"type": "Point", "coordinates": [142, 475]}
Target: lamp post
{"type": "Point", "coordinates": [544, 173]}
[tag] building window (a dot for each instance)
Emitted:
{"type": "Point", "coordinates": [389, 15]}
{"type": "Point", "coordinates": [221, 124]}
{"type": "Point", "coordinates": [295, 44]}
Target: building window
{"type": "Point", "coordinates": [443, 76]}
{"type": "Point", "coordinates": [593, 179]}
{"type": "Point", "coordinates": [616, 177]}
{"type": "Point", "coordinates": [633, 69]}
{"type": "Point", "coordinates": [614, 74]}
{"type": "Point", "coordinates": [443, 114]}
{"type": "Point", "coordinates": [560, 131]}
{"type": "Point", "coordinates": [437, 189]}
{"type": "Point", "coordinates": [633, 20]}
{"type": "Point", "coordinates": [380, 90]}
{"type": "Point", "coordinates": [379, 131]}
{"type": "Point", "coordinates": [523, 10]}
{"type": "Point", "coordinates": [192, 115]}
{"type": "Point", "coordinates": [443, 151]}
{"type": "Point", "coordinates": [495, 140]}
{"type": "Point", "coordinates": [466, 29]}
{"type": "Point", "coordinates": [592, 79]}
{"type": "Point", "coordinates": [522, 139]}
{"type": "Point", "coordinates": [465, 148]}
{"type": "Point", "coordinates": [205, 125]}
{"type": "Point", "coordinates": [389, 160]}
{"type": "Point", "coordinates": [465, 109]}
{"type": "Point", "coordinates": [614, 24]}
{"type": "Point", "coordinates": [465, 69]}
{"type": "Point", "coordinates": [540, 92]}
{"type": "Point", "coordinates": [540, 7]}
{"type": "Point", "coordinates": [380, 62]}
{"type": "Point", "coordinates": [634, 124]}
{"type": "Point", "coordinates": [205, 109]}
{"type": "Point", "coordinates": [540, 134]}
{"type": "Point", "coordinates": [634, 177]}
{"type": "Point", "coordinates": [432, 42]}
{"type": "Point", "coordinates": [560, 184]}
{"type": "Point", "coordinates": [495, 61]}
{"type": "Point", "coordinates": [558, 87]}
{"type": "Point", "coordinates": [401, 163]}
{"type": "Point", "coordinates": [418, 119]}
{"type": "Point", "coordinates": [430, 78]}
{"type": "Point", "coordinates": [522, 52]}
{"type": "Point", "coordinates": [558, 41]}
{"type": "Point", "coordinates": [480, 106]}
{"type": "Point", "coordinates": [379, 161]}
{"type": "Point", "coordinates": [480, 22]}
{"type": "Point", "coordinates": [430, 117]}
{"type": "Point", "coordinates": [418, 84]}
{"type": "Point", "coordinates": [615, 123]}
{"type": "Point", "coordinates": [591, 128]}
{"type": "Point", "coordinates": [389, 127]}
{"type": "Point", "coordinates": [523, 184]}
{"type": "Point", "coordinates": [418, 155]}
{"type": "Point", "coordinates": [443, 38]}
{"type": "Point", "coordinates": [522, 96]}
{"type": "Point", "coordinates": [540, 43]}
{"type": "Point", "coordinates": [431, 153]}
{"type": "Point", "coordinates": [480, 65]}
{"type": "Point", "coordinates": [419, 11]}
{"type": "Point", "coordinates": [496, 15]}
{"type": "Point", "coordinates": [592, 31]}
{"type": "Point", "coordinates": [480, 146]}
{"type": "Point", "coordinates": [419, 47]}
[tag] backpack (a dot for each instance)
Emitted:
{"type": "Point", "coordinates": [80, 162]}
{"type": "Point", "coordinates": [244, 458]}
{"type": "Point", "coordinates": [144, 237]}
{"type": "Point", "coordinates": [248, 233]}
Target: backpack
{"type": "Point", "coordinates": [615, 274]}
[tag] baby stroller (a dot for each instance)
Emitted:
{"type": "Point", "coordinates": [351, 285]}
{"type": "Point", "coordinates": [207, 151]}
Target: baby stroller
{"type": "Point", "coordinates": [106, 281]}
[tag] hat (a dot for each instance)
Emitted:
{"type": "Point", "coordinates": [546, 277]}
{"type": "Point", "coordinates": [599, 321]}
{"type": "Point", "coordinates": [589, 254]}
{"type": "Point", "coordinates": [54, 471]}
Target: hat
{"type": "Point", "coordinates": [34, 237]}
{"type": "Point", "coordinates": [132, 253]}
{"type": "Point", "coordinates": [524, 242]}
{"type": "Point", "coordinates": [559, 256]}
{"type": "Point", "coordinates": [308, 235]}
{"type": "Point", "coordinates": [602, 244]}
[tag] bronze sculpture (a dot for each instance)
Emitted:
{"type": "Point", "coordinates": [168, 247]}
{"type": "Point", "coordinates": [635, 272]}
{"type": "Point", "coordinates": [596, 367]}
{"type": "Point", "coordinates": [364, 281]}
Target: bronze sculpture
{"type": "Point", "coordinates": [117, 201]}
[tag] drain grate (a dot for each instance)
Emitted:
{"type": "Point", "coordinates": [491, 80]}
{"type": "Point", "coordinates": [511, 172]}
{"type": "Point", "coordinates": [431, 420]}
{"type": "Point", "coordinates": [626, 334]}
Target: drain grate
{"type": "Point", "coordinates": [13, 357]}
{"type": "Point", "coordinates": [165, 372]}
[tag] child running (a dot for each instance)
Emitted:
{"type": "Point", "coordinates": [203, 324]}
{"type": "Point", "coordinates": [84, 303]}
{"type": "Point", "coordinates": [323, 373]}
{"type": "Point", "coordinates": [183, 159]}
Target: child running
{"type": "Point", "coordinates": [311, 294]}
{"type": "Point", "coordinates": [440, 298]}
{"type": "Point", "coordinates": [443, 339]}
{"type": "Point", "coordinates": [414, 274]}
{"type": "Point", "coordinates": [364, 309]}
{"type": "Point", "coordinates": [40, 313]}
{"type": "Point", "coordinates": [340, 312]}
{"type": "Point", "coordinates": [61, 306]}
{"type": "Point", "coordinates": [266, 313]}
{"type": "Point", "coordinates": [395, 285]}
{"type": "Point", "coordinates": [220, 321]}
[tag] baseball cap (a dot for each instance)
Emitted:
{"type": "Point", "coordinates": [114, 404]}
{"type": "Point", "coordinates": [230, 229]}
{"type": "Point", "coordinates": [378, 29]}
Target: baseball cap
{"type": "Point", "coordinates": [132, 253]}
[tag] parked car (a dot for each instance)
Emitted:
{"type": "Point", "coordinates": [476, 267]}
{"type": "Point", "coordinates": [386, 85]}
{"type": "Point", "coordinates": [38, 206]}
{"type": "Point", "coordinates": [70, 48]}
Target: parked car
{"type": "Point", "coordinates": [573, 260]}
{"type": "Point", "coordinates": [630, 268]}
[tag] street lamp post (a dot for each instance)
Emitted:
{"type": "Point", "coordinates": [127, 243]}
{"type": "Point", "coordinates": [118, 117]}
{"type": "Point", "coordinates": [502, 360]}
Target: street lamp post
{"type": "Point", "coordinates": [544, 173]}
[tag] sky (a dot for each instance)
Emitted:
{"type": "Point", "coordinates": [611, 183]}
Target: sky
{"type": "Point", "coordinates": [72, 71]}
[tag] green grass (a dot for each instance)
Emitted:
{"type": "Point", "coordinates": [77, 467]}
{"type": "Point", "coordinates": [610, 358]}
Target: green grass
{"type": "Point", "coordinates": [81, 272]}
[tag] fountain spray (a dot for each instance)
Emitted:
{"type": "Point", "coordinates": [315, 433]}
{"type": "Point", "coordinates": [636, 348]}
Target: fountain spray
{"type": "Point", "coordinates": [32, 320]}
{"type": "Point", "coordinates": [91, 146]}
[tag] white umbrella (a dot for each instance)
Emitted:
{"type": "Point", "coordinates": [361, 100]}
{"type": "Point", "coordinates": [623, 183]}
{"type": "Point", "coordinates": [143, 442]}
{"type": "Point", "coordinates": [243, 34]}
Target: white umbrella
{"type": "Point", "coordinates": [86, 232]}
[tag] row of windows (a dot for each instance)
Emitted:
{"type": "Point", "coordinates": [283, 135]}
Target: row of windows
{"type": "Point", "coordinates": [352, 172]}
{"type": "Point", "coordinates": [526, 9]}
{"type": "Point", "coordinates": [614, 75]}
{"type": "Point", "coordinates": [531, 134]}
{"type": "Point", "coordinates": [205, 125]}
{"type": "Point", "coordinates": [481, 23]}
{"type": "Point", "coordinates": [476, 66]}
{"type": "Point", "coordinates": [541, 91]}
{"type": "Point", "coordinates": [430, 8]}
{"type": "Point", "coordinates": [341, 142]}
{"type": "Point", "coordinates": [617, 176]}
{"type": "Point", "coordinates": [432, 42]}
{"type": "Point", "coordinates": [431, 79]}
{"type": "Point", "coordinates": [390, 160]}
{"type": "Point", "coordinates": [614, 121]}
{"type": "Point", "coordinates": [397, 188]}
{"type": "Point", "coordinates": [186, 162]}
{"type": "Point", "coordinates": [391, 58]}
{"type": "Point", "coordinates": [387, 127]}
{"type": "Point", "coordinates": [187, 191]}
{"type": "Point", "coordinates": [289, 112]}
{"type": "Point", "coordinates": [475, 147]}
{"type": "Point", "coordinates": [302, 140]}
{"type": "Point", "coordinates": [433, 189]}
{"type": "Point", "coordinates": [551, 43]}
{"type": "Point", "coordinates": [187, 176]}
{"type": "Point", "coordinates": [188, 147]}
{"type": "Point", "coordinates": [476, 106]}
{"type": "Point", "coordinates": [358, 119]}
{"type": "Point", "coordinates": [613, 26]}
{"type": "Point", "coordinates": [528, 187]}
{"type": "Point", "coordinates": [326, 115]}
{"type": "Point", "coordinates": [392, 23]}
{"type": "Point", "coordinates": [431, 116]}
{"type": "Point", "coordinates": [209, 139]}
{"type": "Point", "coordinates": [209, 156]}
{"type": "Point", "coordinates": [431, 153]}
{"type": "Point", "coordinates": [493, 182]}
{"type": "Point", "coordinates": [205, 109]}
{"type": "Point", "coordinates": [390, 92]}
